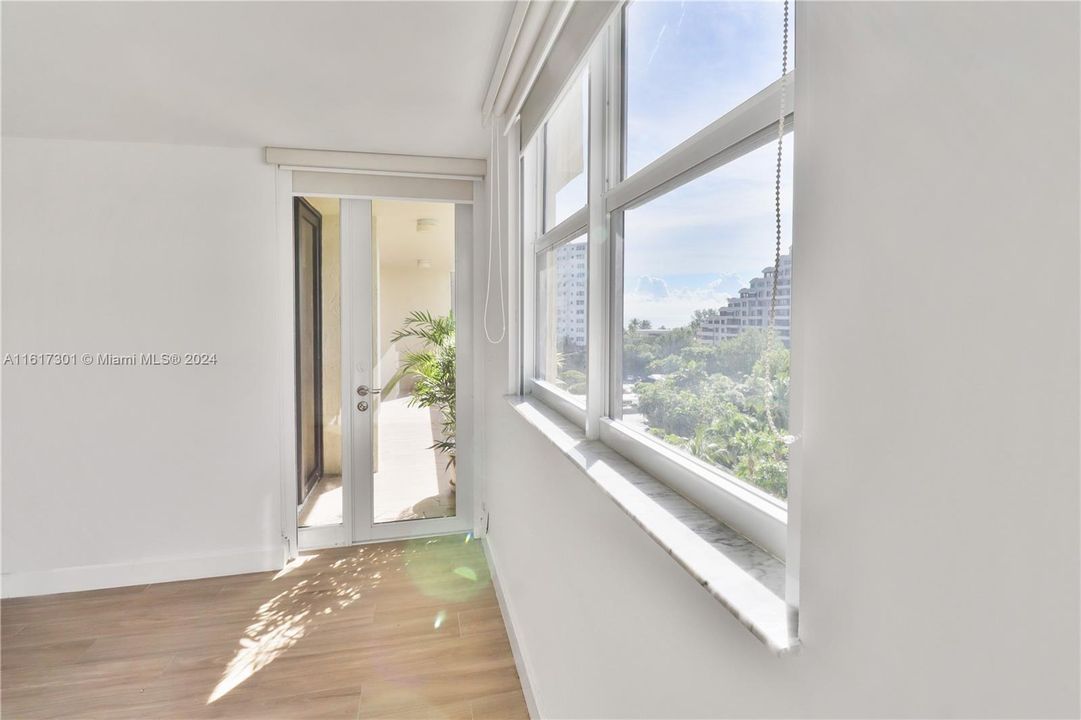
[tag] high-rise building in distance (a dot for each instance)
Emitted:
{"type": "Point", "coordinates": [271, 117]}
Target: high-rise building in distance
{"type": "Point", "coordinates": [571, 294]}
{"type": "Point", "coordinates": [751, 307]}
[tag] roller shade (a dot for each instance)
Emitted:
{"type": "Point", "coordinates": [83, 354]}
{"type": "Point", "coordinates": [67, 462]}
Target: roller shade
{"type": "Point", "coordinates": [583, 25]}
{"type": "Point", "coordinates": [377, 163]}
{"type": "Point", "coordinates": [565, 155]}
{"type": "Point", "coordinates": [382, 186]}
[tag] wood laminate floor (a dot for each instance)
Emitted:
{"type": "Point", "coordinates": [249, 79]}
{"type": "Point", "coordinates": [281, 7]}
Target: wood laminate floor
{"type": "Point", "coordinates": [408, 629]}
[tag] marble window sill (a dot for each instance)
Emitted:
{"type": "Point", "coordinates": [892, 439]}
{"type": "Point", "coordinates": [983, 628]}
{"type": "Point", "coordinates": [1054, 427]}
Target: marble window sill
{"type": "Point", "coordinates": [745, 579]}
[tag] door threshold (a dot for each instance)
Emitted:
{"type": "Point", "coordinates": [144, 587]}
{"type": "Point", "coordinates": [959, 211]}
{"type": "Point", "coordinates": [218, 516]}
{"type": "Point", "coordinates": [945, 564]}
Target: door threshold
{"type": "Point", "coordinates": [318, 537]}
{"type": "Point", "coordinates": [331, 536]}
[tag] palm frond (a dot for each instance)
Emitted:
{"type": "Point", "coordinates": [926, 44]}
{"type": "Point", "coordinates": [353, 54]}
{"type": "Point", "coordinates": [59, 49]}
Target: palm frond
{"type": "Point", "coordinates": [433, 367]}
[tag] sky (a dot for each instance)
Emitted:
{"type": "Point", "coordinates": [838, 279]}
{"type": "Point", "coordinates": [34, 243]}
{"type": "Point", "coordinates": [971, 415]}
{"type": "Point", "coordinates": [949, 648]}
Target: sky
{"type": "Point", "coordinates": [688, 63]}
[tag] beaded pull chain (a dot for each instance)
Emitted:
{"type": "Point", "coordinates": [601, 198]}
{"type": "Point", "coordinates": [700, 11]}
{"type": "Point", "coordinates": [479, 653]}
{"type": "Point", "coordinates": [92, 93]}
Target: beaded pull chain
{"type": "Point", "coordinates": [770, 329]}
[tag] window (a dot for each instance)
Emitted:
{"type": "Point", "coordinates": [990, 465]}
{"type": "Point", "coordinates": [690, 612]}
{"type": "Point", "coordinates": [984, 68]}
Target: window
{"type": "Point", "coordinates": [721, 397]}
{"type": "Point", "coordinates": [566, 136]}
{"type": "Point", "coordinates": [661, 305]}
{"type": "Point", "coordinates": [554, 210]}
{"type": "Point", "coordinates": [689, 63]}
{"type": "Point", "coordinates": [561, 326]}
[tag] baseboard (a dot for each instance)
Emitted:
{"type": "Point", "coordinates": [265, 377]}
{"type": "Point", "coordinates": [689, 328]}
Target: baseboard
{"type": "Point", "coordinates": [520, 659]}
{"type": "Point", "coordinates": [140, 572]}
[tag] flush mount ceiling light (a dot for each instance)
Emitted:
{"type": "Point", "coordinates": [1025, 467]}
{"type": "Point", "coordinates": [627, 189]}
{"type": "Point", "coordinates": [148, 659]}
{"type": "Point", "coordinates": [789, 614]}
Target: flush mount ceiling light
{"type": "Point", "coordinates": [426, 224]}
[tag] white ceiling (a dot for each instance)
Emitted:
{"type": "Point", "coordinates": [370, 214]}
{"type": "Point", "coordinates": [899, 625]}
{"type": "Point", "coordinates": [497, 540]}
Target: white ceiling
{"type": "Point", "coordinates": [401, 245]}
{"type": "Point", "coordinates": [399, 77]}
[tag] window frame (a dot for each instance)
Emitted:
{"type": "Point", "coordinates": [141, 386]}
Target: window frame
{"type": "Point", "coordinates": [610, 193]}
{"type": "Point", "coordinates": [574, 406]}
{"type": "Point", "coordinates": [575, 225]}
{"type": "Point", "coordinates": [548, 204]}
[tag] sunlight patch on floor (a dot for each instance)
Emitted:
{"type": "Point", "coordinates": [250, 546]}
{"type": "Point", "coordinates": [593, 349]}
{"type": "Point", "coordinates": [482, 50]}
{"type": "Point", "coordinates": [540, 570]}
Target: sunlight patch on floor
{"type": "Point", "coordinates": [281, 622]}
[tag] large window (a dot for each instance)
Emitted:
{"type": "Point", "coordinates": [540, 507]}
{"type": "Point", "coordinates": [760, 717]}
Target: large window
{"type": "Point", "coordinates": [703, 368]}
{"type": "Point", "coordinates": [556, 211]}
{"type": "Point", "coordinates": [689, 63]}
{"type": "Point", "coordinates": [662, 277]}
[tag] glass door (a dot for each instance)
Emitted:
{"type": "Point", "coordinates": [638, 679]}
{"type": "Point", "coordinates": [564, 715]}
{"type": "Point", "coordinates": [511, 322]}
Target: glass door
{"type": "Point", "coordinates": [403, 408]}
{"type": "Point", "coordinates": [320, 518]}
{"type": "Point", "coordinates": [377, 359]}
{"type": "Point", "coordinates": [414, 356]}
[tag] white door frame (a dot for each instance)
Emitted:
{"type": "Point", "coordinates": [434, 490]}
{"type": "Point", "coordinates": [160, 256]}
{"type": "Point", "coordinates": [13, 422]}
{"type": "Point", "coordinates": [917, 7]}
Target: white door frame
{"type": "Point", "coordinates": [357, 526]}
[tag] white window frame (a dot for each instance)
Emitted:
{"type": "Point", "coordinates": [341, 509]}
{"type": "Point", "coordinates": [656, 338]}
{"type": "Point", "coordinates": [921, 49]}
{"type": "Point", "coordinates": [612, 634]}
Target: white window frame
{"type": "Point", "coordinates": [747, 127]}
{"type": "Point", "coordinates": [575, 225]}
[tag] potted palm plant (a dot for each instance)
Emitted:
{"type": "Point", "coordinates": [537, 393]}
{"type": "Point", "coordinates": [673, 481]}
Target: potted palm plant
{"type": "Point", "coordinates": [432, 367]}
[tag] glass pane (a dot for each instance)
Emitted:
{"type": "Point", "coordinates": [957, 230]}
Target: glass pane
{"type": "Point", "coordinates": [701, 369]}
{"type": "Point", "coordinates": [414, 417]}
{"type": "Point", "coordinates": [562, 318]}
{"type": "Point", "coordinates": [566, 140]}
{"type": "Point", "coordinates": [321, 504]}
{"type": "Point", "coordinates": [689, 63]}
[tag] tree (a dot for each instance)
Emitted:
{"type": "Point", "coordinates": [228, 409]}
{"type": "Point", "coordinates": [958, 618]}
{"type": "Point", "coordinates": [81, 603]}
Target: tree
{"type": "Point", "coordinates": [433, 367]}
{"type": "Point", "coordinates": [573, 381]}
{"type": "Point", "coordinates": [640, 351]}
{"type": "Point", "coordinates": [726, 404]}
{"type": "Point", "coordinates": [701, 316]}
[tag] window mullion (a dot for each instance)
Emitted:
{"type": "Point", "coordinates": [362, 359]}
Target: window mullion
{"type": "Point", "coordinates": [740, 131]}
{"type": "Point", "coordinates": [566, 230]}
{"type": "Point", "coordinates": [598, 270]}
{"type": "Point", "coordinates": [528, 276]}
{"type": "Point", "coordinates": [614, 147]}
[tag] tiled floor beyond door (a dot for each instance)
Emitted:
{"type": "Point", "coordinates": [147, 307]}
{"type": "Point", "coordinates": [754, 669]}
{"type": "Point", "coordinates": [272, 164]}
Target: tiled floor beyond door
{"type": "Point", "coordinates": [412, 480]}
{"type": "Point", "coordinates": [395, 630]}
{"type": "Point", "coordinates": [324, 503]}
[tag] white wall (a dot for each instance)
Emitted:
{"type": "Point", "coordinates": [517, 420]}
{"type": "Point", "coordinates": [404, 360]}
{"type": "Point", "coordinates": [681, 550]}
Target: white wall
{"type": "Point", "coordinates": [402, 291]}
{"type": "Point", "coordinates": [936, 300]}
{"type": "Point", "coordinates": [151, 472]}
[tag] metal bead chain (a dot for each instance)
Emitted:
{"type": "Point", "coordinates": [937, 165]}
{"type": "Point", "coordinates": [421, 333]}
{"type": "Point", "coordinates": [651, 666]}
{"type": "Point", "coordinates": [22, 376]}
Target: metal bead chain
{"type": "Point", "coordinates": [770, 329]}
{"type": "Point", "coordinates": [777, 175]}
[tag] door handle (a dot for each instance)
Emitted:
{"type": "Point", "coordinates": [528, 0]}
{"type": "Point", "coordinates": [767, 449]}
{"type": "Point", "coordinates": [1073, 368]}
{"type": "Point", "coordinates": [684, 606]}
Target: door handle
{"type": "Point", "coordinates": [363, 390]}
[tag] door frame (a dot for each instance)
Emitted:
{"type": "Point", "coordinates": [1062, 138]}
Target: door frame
{"type": "Point", "coordinates": [354, 529]}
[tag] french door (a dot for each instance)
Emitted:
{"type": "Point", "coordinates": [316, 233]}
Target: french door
{"type": "Point", "coordinates": [394, 483]}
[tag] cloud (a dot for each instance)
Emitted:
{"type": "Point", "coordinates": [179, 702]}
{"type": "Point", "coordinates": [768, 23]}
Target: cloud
{"type": "Point", "coordinates": [726, 285]}
{"type": "Point", "coordinates": [722, 222]}
{"type": "Point", "coordinates": [651, 287]}
{"type": "Point", "coordinates": [663, 304]}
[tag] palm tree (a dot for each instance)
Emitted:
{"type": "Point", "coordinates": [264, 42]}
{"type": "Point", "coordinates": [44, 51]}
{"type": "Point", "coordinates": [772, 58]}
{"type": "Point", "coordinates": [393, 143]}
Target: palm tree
{"type": "Point", "coordinates": [434, 370]}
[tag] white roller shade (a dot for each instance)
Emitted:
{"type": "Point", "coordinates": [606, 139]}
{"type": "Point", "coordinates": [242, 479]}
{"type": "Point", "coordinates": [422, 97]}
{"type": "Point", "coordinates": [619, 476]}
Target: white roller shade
{"type": "Point", "coordinates": [582, 27]}
{"type": "Point", "coordinates": [382, 186]}
{"type": "Point", "coordinates": [377, 163]}
{"type": "Point", "coordinates": [565, 154]}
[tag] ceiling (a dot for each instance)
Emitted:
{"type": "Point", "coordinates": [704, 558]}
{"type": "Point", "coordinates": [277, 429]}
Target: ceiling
{"type": "Point", "coordinates": [397, 77]}
{"type": "Point", "coordinates": [400, 243]}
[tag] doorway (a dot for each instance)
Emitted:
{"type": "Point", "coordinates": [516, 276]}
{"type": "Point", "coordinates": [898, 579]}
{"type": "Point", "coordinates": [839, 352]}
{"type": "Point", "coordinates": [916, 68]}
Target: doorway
{"type": "Point", "coordinates": [308, 234]}
{"type": "Point", "coordinates": [377, 394]}
{"type": "Point", "coordinates": [318, 296]}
